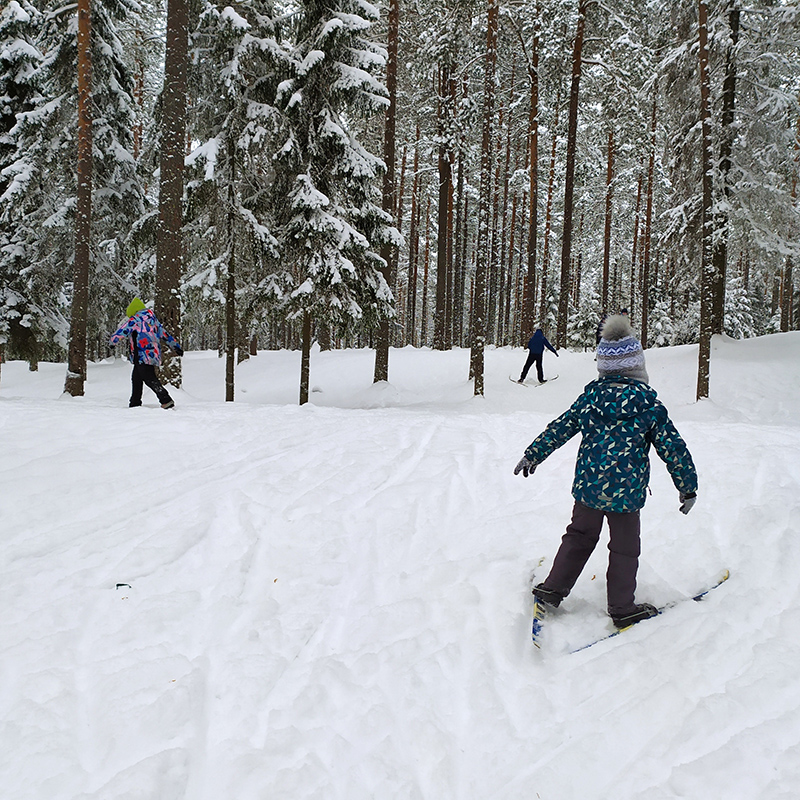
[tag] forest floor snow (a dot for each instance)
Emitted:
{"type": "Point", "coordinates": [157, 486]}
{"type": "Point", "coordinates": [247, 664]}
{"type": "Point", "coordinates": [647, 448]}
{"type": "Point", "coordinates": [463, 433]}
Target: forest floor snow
{"type": "Point", "coordinates": [259, 600]}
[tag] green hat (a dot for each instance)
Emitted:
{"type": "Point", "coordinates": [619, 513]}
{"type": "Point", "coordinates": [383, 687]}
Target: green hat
{"type": "Point", "coordinates": [135, 306]}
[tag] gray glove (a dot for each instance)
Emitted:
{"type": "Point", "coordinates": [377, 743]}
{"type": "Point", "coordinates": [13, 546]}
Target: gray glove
{"type": "Point", "coordinates": [687, 501]}
{"type": "Point", "coordinates": [525, 466]}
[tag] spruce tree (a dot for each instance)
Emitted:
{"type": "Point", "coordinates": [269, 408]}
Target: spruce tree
{"type": "Point", "coordinates": [236, 63]}
{"type": "Point", "coordinates": [327, 193]}
{"type": "Point", "coordinates": [19, 59]}
{"type": "Point", "coordinates": [38, 205]}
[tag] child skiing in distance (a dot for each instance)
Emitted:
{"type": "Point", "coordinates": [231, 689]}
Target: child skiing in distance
{"type": "Point", "coordinates": [144, 333]}
{"type": "Point", "coordinates": [619, 417]}
{"type": "Point", "coordinates": [536, 345]}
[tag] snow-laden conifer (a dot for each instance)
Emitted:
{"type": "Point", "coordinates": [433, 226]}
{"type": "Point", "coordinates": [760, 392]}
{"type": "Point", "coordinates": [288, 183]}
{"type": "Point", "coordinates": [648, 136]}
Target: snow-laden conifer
{"type": "Point", "coordinates": [331, 224]}
{"type": "Point", "coordinates": [234, 272]}
{"type": "Point", "coordinates": [38, 204]}
{"type": "Point", "coordinates": [19, 59]}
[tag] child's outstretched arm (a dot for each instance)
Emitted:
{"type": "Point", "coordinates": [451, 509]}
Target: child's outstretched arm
{"type": "Point", "coordinates": [556, 434]}
{"type": "Point", "coordinates": [672, 450]}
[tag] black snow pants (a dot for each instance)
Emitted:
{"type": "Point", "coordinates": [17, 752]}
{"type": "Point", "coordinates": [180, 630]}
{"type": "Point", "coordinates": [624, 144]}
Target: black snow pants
{"type": "Point", "coordinates": [537, 359]}
{"type": "Point", "coordinates": [579, 542]}
{"type": "Point", "coordinates": [145, 374]}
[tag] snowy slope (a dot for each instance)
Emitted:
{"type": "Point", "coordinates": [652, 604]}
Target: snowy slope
{"type": "Point", "coordinates": [260, 601]}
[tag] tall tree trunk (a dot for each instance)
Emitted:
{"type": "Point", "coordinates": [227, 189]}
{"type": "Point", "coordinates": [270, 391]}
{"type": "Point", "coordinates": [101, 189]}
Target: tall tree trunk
{"type": "Point", "coordinates": [706, 265]}
{"type": "Point", "coordinates": [399, 296]}
{"type": "Point", "coordinates": [529, 290]}
{"type": "Point", "coordinates": [230, 289]}
{"type": "Point", "coordinates": [569, 178]}
{"type": "Point", "coordinates": [389, 251]}
{"type": "Point", "coordinates": [169, 256]}
{"type": "Point", "coordinates": [484, 209]}
{"type": "Point", "coordinates": [413, 251]}
{"type": "Point", "coordinates": [505, 259]}
{"type": "Point", "coordinates": [788, 317]}
{"type": "Point", "coordinates": [607, 231]}
{"type": "Point", "coordinates": [305, 358]}
{"type": "Point", "coordinates": [721, 222]}
{"type": "Point", "coordinates": [458, 258]}
{"type": "Point", "coordinates": [548, 217]}
{"type": "Point", "coordinates": [635, 247]}
{"type": "Point", "coordinates": [648, 228]}
{"type": "Point", "coordinates": [76, 366]}
{"type": "Point", "coordinates": [445, 111]}
{"type": "Point", "coordinates": [426, 273]}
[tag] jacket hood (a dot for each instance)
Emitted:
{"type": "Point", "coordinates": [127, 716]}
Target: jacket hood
{"type": "Point", "coordinates": [620, 398]}
{"type": "Point", "coordinates": [136, 305]}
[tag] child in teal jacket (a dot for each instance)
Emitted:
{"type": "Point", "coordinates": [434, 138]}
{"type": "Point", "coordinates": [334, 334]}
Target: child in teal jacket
{"type": "Point", "coordinates": [619, 418]}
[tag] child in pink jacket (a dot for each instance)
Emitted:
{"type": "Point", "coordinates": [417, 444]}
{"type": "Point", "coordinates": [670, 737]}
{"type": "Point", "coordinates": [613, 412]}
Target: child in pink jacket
{"type": "Point", "coordinates": [144, 333]}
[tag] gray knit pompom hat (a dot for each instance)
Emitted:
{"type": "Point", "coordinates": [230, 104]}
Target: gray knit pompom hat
{"type": "Point", "coordinates": [620, 352]}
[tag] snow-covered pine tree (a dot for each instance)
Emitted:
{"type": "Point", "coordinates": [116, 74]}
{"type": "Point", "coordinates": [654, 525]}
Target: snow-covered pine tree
{"type": "Point", "coordinates": [19, 59]}
{"type": "Point", "coordinates": [39, 201]}
{"type": "Point", "coordinates": [327, 191]}
{"type": "Point", "coordinates": [235, 66]}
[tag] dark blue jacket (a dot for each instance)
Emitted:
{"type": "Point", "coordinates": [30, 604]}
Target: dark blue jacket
{"type": "Point", "coordinates": [618, 418]}
{"type": "Point", "coordinates": [538, 342]}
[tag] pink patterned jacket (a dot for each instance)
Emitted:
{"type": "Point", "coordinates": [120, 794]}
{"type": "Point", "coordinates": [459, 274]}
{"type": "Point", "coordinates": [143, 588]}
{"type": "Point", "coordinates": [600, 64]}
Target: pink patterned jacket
{"type": "Point", "coordinates": [144, 333]}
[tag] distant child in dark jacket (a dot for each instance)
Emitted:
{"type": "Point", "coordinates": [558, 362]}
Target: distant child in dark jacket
{"type": "Point", "coordinates": [144, 334]}
{"type": "Point", "coordinates": [536, 346]}
{"type": "Point", "coordinates": [619, 418]}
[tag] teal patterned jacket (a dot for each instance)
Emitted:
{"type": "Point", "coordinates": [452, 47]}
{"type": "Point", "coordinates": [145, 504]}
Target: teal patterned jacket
{"type": "Point", "coordinates": [618, 418]}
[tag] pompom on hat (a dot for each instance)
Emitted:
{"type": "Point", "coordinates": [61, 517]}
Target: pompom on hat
{"type": "Point", "coordinates": [620, 352]}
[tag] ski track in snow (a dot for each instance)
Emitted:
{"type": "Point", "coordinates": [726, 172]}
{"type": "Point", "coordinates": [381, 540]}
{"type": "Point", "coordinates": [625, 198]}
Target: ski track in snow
{"type": "Point", "coordinates": [259, 600]}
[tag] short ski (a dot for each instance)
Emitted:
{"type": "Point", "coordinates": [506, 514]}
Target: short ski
{"type": "Point", "coordinates": [539, 609]}
{"type": "Point", "coordinates": [698, 597]}
{"type": "Point", "coordinates": [531, 382]}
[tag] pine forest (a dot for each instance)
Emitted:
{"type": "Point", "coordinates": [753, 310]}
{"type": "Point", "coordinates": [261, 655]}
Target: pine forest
{"type": "Point", "coordinates": [271, 174]}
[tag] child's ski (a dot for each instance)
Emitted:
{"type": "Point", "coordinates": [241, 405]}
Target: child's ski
{"type": "Point", "coordinates": [698, 597]}
{"type": "Point", "coordinates": [539, 609]}
{"type": "Point", "coordinates": [531, 381]}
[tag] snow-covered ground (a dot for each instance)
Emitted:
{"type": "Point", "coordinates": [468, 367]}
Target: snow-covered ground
{"type": "Point", "coordinates": [259, 601]}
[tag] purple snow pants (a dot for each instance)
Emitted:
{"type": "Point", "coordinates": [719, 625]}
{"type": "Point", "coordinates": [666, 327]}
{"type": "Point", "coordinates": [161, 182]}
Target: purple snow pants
{"type": "Point", "coordinates": [579, 542]}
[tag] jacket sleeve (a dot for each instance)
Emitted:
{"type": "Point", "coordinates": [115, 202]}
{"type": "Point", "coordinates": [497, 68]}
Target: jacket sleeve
{"type": "Point", "coordinates": [169, 339]}
{"type": "Point", "coordinates": [161, 332]}
{"type": "Point", "coordinates": [672, 450]}
{"type": "Point", "coordinates": [550, 347]}
{"type": "Point", "coordinates": [556, 434]}
{"type": "Point", "coordinates": [122, 333]}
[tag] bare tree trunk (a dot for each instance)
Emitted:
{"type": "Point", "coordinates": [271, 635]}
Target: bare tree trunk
{"type": "Point", "coordinates": [721, 220]}
{"type": "Point", "coordinates": [607, 231]}
{"type": "Point", "coordinates": [458, 258]}
{"type": "Point", "coordinates": [305, 358]}
{"type": "Point", "coordinates": [399, 297]}
{"type": "Point", "coordinates": [424, 323]}
{"type": "Point", "coordinates": [445, 191]}
{"type": "Point", "coordinates": [634, 249]}
{"type": "Point", "coordinates": [548, 217]}
{"type": "Point", "coordinates": [648, 228]}
{"type": "Point", "coordinates": [169, 256]}
{"type": "Point", "coordinates": [479, 303]}
{"type": "Point", "coordinates": [788, 317]}
{"type": "Point", "coordinates": [505, 259]}
{"type": "Point", "coordinates": [389, 251]}
{"type": "Point", "coordinates": [413, 251]}
{"type": "Point", "coordinates": [706, 265]}
{"type": "Point", "coordinates": [230, 291]}
{"type": "Point", "coordinates": [529, 290]}
{"type": "Point", "coordinates": [76, 367]}
{"type": "Point", "coordinates": [569, 178]}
